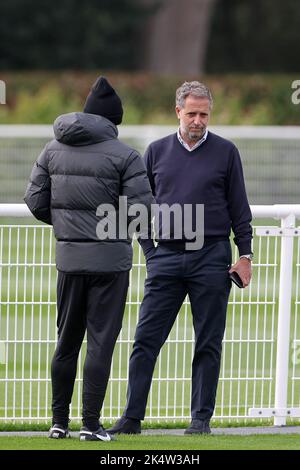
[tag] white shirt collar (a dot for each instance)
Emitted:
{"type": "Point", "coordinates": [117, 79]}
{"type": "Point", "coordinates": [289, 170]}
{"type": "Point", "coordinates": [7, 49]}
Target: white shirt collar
{"type": "Point", "coordinates": [186, 146]}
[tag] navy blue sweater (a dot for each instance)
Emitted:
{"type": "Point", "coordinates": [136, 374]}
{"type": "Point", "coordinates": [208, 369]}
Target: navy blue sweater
{"type": "Point", "coordinates": [212, 175]}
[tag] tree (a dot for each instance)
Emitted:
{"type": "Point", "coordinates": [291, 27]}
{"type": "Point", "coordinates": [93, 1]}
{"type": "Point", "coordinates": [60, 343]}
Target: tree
{"type": "Point", "coordinates": [69, 34]}
{"type": "Point", "coordinates": [175, 39]}
{"type": "Point", "coordinates": [254, 36]}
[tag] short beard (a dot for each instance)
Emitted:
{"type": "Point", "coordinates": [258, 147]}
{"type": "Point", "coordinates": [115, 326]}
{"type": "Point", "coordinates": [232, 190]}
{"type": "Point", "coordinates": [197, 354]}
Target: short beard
{"type": "Point", "coordinates": [191, 135]}
{"type": "Point", "coordinates": [195, 137]}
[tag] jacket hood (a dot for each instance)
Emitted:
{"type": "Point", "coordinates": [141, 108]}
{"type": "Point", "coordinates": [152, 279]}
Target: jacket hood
{"type": "Point", "coordinates": [83, 129]}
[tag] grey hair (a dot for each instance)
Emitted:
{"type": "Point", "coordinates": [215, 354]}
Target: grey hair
{"type": "Point", "coordinates": [196, 89]}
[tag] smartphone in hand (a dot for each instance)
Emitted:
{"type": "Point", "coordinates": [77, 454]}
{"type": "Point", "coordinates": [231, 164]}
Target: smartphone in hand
{"type": "Point", "coordinates": [236, 279]}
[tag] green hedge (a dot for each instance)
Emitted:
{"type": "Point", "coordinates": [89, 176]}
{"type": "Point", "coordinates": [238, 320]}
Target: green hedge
{"type": "Point", "coordinates": [38, 97]}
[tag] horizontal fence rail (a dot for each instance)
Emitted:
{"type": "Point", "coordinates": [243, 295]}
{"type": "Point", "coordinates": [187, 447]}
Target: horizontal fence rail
{"type": "Point", "coordinates": [260, 370]}
{"type": "Point", "coordinates": [270, 156]}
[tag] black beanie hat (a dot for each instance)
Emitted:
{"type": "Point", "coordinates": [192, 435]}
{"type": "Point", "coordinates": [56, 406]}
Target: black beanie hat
{"type": "Point", "coordinates": [104, 101]}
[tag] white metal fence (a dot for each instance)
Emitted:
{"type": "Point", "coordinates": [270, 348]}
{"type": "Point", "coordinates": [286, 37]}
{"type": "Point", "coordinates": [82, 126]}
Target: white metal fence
{"type": "Point", "coordinates": [260, 372]}
{"type": "Point", "coordinates": [270, 156]}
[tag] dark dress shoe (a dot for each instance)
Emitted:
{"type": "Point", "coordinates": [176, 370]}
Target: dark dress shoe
{"type": "Point", "coordinates": [126, 426]}
{"type": "Point", "coordinates": [198, 426]}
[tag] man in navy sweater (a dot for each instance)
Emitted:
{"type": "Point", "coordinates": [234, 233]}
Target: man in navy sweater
{"type": "Point", "coordinates": [191, 167]}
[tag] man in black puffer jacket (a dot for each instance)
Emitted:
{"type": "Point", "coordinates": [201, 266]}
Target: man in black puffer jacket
{"type": "Point", "coordinates": [83, 167]}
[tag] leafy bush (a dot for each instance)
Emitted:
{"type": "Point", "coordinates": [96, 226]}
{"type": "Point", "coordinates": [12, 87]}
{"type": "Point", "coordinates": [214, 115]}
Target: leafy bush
{"type": "Point", "coordinates": [238, 99]}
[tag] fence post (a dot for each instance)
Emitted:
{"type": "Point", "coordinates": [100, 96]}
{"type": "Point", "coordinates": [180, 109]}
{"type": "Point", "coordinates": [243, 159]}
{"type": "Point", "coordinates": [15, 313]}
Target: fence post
{"type": "Point", "coordinates": [284, 317]}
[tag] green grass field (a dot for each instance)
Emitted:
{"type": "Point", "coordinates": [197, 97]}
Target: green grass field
{"type": "Point", "coordinates": [254, 442]}
{"type": "Point", "coordinates": [27, 338]}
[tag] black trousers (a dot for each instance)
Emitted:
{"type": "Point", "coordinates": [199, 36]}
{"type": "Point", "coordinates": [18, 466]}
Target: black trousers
{"type": "Point", "coordinates": [93, 304]}
{"type": "Point", "coordinates": [203, 275]}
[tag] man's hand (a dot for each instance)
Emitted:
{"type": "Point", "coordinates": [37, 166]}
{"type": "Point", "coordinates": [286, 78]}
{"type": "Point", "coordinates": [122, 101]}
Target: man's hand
{"type": "Point", "coordinates": [243, 268]}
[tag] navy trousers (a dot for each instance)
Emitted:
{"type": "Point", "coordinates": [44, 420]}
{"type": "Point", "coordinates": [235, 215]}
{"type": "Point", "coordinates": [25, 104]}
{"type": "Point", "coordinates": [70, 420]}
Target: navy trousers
{"type": "Point", "coordinates": [94, 304]}
{"type": "Point", "coordinates": [171, 275]}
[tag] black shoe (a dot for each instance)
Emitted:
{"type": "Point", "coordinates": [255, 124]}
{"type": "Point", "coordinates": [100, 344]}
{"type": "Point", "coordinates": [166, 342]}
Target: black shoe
{"type": "Point", "coordinates": [198, 426]}
{"type": "Point", "coordinates": [58, 432]}
{"type": "Point", "coordinates": [100, 435]}
{"type": "Point", "coordinates": [126, 426]}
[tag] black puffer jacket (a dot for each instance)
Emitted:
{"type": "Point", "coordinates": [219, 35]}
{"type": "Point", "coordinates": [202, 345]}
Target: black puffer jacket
{"type": "Point", "coordinates": [84, 167]}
